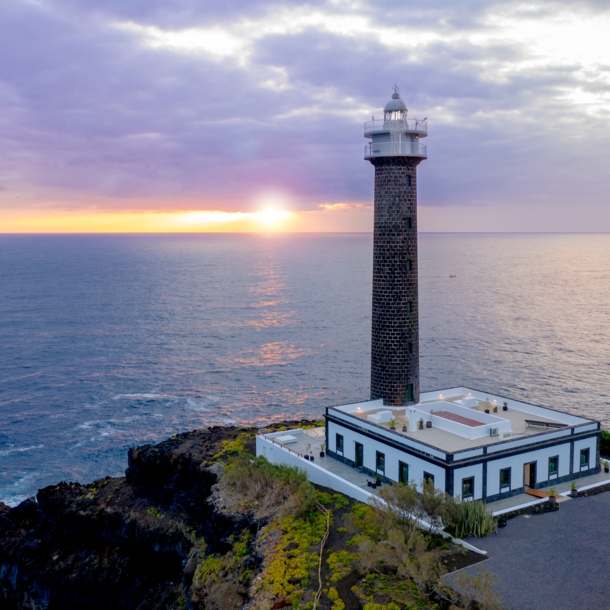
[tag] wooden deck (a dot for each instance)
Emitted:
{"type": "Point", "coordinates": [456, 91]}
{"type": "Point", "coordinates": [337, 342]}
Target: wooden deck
{"type": "Point", "coordinates": [538, 493]}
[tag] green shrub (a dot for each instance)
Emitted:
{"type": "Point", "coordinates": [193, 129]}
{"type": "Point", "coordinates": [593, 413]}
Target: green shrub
{"type": "Point", "coordinates": [471, 519]}
{"type": "Point", "coordinates": [604, 447]}
{"type": "Point", "coordinates": [269, 489]}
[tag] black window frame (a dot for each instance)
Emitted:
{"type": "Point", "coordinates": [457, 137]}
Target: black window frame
{"type": "Point", "coordinates": [402, 465]}
{"type": "Point", "coordinates": [471, 494]}
{"type": "Point", "coordinates": [339, 443]}
{"type": "Point", "coordinates": [583, 452]}
{"type": "Point", "coordinates": [380, 462]}
{"type": "Point", "coordinates": [428, 477]}
{"type": "Point", "coordinates": [554, 473]}
{"type": "Point", "coordinates": [509, 473]}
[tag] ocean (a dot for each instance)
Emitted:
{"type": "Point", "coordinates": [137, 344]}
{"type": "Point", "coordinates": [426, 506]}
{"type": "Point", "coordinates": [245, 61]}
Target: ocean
{"type": "Point", "coordinates": [111, 341]}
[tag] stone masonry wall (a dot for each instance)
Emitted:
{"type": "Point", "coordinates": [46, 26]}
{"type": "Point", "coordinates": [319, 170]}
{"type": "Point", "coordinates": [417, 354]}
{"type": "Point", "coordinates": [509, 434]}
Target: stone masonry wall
{"type": "Point", "coordinates": [395, 333]}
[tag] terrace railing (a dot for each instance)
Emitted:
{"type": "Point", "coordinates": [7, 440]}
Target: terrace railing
{"type": "Point", "coordinates": [395, 149]}
{"type": "Point", "coordinates": [415, 125]}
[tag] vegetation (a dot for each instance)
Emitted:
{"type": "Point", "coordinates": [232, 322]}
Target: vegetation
{"type": "Point", "coordinates": [154, 512]}
{"type": "Point", "coordinates": [269, 490]}
{"type": "Point", "coordinates": [470, 519]}
{"type": "Point", "coordinates": [407, 507]}
{"type": "Point", "coordinates": [604, 447]}
{"type": "Point", "coordinates": [396, 565]}
{"type": "Point", "coordinates": [404, 565]}
{"type": "Point", "coordinates": [288, 568]}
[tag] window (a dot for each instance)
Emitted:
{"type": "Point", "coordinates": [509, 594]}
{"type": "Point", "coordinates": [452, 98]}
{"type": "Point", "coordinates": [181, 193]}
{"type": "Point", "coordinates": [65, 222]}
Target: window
{"type": "Point", "coordinates": [339, 443]}
{"type": "Point", "coordinates": [410, 348]}
{"type": "Point", "coordinates": [428, 478]}
{"type": "Point", "coordinates": [403, 472]}
{"type": "Point", "coordinates": [410, 394]}
{"type": "Point", "coordinates": [408, 224]}
{"type": "Point", "coordinates": [380, 461]}
{"type": "Point", "coordinates": [504, 478]}
{"type": "Point", "coordinates": [468, 488]}
{"type": "Point", "coordinates": [410, 306]}
{"type": "Point", "coordinates": [409, 265]}
{"type": "Point", "coordinates": [553, 466]}
{"type": "Point", "coordinates": [408, 181]}
{"type": "Point", "coordinates": [584, 459]}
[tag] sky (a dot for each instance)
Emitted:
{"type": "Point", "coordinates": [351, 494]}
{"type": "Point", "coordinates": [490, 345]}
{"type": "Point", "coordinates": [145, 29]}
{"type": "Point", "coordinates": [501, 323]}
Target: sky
{"type": "Point", "coordinates": [247, 115]}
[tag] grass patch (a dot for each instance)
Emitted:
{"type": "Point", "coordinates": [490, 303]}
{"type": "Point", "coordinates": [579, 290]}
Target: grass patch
{"type": "Point", "coordinates": [268, 490]}
{"type": "Point", "coordinates": [289, 566]}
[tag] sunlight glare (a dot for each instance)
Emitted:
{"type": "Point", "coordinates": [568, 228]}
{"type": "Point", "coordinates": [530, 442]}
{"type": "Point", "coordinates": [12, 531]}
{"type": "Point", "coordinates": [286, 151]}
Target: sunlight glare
{"type": "Point", "coordinates": [271, 217]}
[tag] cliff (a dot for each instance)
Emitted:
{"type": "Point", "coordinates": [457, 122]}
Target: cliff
{"type": "Point", "coordinates": [128, 542]}
{"type": "Point", "coordinates": [169, 535]}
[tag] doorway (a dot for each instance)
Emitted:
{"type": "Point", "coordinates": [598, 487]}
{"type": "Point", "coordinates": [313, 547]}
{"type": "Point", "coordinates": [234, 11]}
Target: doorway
{"type": "Point", "coordinates": [529, 475]}
{"type": "Point", "coordinates": [359, 454]}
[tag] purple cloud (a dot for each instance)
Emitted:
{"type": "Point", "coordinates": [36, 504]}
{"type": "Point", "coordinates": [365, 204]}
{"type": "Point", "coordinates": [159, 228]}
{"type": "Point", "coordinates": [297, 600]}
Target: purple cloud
{"type": "Point", "coordinates": [99, 102]}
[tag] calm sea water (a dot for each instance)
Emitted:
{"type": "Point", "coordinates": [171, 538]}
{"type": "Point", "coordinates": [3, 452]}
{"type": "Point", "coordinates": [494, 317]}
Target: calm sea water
{"type": "Point", "coordinates": [112, 341]}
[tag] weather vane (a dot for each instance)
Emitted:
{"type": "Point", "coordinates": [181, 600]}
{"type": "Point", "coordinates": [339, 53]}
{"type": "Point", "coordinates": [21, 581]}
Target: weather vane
{"type": "Point", "coordinates": [396, 89]}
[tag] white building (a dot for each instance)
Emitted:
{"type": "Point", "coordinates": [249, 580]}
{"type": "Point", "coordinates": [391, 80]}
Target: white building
{"type": "Point", "coordinates": [471, 444]}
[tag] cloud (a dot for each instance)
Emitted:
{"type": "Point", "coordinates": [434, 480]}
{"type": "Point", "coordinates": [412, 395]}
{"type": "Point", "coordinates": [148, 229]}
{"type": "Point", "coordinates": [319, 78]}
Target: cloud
{"type": "Point", "coordinates": [218, 103]}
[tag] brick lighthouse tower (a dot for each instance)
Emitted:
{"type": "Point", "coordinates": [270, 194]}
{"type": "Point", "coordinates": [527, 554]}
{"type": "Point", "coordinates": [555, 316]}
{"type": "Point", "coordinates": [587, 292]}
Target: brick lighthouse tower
{"type": "Point", "coordinates": [395, 151]}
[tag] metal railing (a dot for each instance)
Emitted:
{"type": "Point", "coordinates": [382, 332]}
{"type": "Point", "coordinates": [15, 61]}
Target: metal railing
{"type": "Point", "coordinates": [375, 125]}
{"type": "Point", "coordinates": [395, 149]}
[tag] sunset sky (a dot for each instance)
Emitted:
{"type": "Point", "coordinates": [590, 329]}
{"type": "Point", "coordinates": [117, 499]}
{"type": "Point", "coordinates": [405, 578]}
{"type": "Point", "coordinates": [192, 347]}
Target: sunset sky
{"type": "Point", "coordinates": [231, 115]}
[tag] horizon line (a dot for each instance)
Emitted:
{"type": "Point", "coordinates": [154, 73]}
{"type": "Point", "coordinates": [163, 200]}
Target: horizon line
{"type": "Point", "coordinates": [268, 233]}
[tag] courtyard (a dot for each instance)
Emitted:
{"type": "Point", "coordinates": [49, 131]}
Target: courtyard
{"type": "Point", "coordinates": [553, 561]}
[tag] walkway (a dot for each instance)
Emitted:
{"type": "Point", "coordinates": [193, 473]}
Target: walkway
{"type": "Point", "coordinates": [523, 500]}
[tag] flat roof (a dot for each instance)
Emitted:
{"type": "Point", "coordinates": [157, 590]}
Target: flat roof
{"type": "Point", "coordinates": [521, 420]}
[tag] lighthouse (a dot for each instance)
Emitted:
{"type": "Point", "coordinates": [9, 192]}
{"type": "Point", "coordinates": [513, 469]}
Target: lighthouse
{"type": "Point", "coordinates": [395, 151]}
{"type": "Point", "coordinates": [471, 444]}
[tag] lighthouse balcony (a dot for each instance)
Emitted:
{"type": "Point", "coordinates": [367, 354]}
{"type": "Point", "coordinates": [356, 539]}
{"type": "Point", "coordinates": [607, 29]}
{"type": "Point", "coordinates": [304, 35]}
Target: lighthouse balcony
{"type": "Point", "coordinates": [413, 126]}
{"type": "Point", "coordinates": [395, 149]}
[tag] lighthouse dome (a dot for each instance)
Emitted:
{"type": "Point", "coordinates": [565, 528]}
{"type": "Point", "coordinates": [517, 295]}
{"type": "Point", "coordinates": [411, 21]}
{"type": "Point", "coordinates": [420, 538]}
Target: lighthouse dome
{"type": "Point", "coordinates": [395, 104]}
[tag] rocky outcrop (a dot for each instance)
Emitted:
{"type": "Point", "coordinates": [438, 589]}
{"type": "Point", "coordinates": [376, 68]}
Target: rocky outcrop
{"type": "Point", "coordinates": [129, 542]}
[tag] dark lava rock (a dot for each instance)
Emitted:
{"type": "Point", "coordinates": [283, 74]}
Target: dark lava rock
{"type": "Point", "coordinates": [123, 543]}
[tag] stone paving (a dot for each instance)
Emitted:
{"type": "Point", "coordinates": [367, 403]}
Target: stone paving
{"type": "Point", "coordinates": [508, 504]}
{"type": "Point", "coordinates": [552, 561]}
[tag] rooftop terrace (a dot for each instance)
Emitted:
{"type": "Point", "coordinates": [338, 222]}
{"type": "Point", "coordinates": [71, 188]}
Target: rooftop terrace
{"type": "Point", "coordinates": [462, 419]}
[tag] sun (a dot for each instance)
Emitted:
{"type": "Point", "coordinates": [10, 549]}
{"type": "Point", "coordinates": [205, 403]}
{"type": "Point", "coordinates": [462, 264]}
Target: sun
{"type": "Point", "coordinates": [270, 217]}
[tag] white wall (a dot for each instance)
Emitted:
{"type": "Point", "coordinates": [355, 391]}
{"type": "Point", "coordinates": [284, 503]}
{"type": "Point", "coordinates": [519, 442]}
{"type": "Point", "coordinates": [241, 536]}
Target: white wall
{"type": "Point", "coordinates": [517, 462]}
{"type": "Point", "coordinates": [528, 440]}
{"type": "Point", "coordinates": [417, 466]}
{"type": "Point", "coordinates": [537, 412]}
{"type": "Point", "coordinates": [487, 420]}
{"type": "Point", "coordinates": [389, 434]}
{"type": "Point", "coordinates": [280, 455]}
{"type": "Point", "coordinates": [587, 443]}
{"type": "Point", "coordinates": [475, 471]}
{"type": "Point", "coordinates": [369, 405]}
